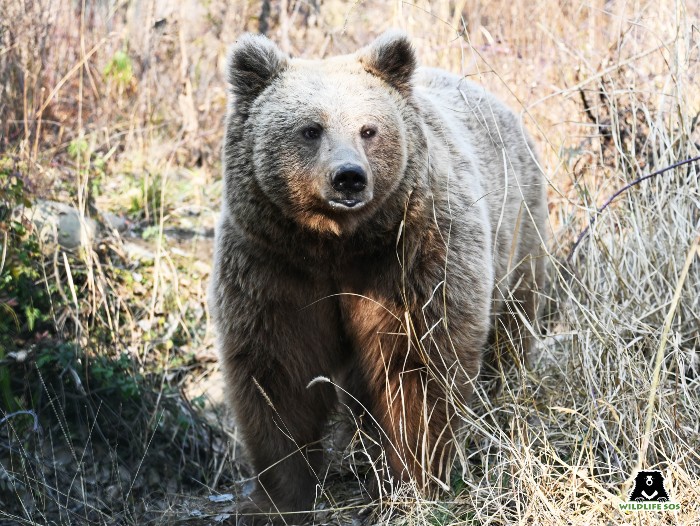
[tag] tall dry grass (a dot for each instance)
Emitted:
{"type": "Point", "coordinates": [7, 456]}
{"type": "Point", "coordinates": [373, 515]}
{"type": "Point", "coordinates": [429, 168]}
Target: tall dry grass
{"type": "Point", "coordinates": [608, 89]}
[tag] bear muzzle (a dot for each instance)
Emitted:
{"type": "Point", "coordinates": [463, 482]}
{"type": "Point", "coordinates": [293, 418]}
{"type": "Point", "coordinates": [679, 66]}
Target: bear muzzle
{"type": "Point", "coordinates": [351, 188]}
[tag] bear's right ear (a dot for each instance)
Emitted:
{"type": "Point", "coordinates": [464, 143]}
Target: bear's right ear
{"type": "Point", "coordinates": [391, 58]}
{"type": "Point", "coordinates": [253, 63]}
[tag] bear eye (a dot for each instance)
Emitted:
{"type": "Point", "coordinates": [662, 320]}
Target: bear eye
{"type": "Point", "coordinates": [368, 132]}
{"type": "Point", "coordinates": [311, 132]}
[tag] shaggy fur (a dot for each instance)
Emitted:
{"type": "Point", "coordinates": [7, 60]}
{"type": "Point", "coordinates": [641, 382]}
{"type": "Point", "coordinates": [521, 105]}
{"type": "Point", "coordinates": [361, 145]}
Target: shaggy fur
{"type": "Point", "coordinates": [393, 298]}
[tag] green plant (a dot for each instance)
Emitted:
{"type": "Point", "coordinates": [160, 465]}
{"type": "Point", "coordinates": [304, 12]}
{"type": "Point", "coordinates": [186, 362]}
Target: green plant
{"type": "Point", "coordinates": [61, 356]}
{"type": "Point", "coordinates": [78, 148]}
{"type": "Point", "coordinates": [116, 375]}
{"type": "Point", "coordinates": [120, 69]}
{"type": "Point", "coordinates": [147, 202]}
{"type": "Point", "coordinates": [24, 299]}
{"type": "Point", "coordinates": [25, 305]}
{"type": "Point", "coordinates": [112, 377]}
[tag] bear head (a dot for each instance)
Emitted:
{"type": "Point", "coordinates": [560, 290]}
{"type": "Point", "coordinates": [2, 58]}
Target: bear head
{"type": "Point", "coordinates": [327, 140]}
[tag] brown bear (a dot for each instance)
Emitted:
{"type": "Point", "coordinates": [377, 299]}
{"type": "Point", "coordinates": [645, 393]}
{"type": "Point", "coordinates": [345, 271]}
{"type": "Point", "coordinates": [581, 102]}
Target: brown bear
{"type": "Point", "coordinates": [378, 221]}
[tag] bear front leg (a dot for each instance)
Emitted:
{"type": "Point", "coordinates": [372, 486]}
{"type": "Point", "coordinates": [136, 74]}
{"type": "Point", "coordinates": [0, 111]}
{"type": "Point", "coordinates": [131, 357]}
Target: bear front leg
{"type": "Point", "coordinates": [415, 403]}
{"type": "Point", "coordinates": [281, 422]}
{"type": "Point", "coordinates": [269, 356]}
{"type": "Point", "coordinates": [417, 358]}
{"type": "Point", "coordinates": [412, 388]}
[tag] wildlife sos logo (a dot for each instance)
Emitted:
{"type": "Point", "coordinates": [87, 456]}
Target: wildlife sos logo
{"type": "Point", "coordinates": [649, 493]}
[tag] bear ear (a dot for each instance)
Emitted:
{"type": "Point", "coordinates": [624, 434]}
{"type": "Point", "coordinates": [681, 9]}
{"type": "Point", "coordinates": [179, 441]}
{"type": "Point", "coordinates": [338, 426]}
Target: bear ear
{"type": "Point", "coordinates": [253, 63]}
{"type": "Point", "coordinates": [391, 58]}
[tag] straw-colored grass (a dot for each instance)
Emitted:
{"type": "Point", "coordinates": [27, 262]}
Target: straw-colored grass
{"type": "Point", "coordinates": [119, 107]}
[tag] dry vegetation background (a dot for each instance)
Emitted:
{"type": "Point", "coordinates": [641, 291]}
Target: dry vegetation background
{"type": "Point", "coordinates": [109, 399]}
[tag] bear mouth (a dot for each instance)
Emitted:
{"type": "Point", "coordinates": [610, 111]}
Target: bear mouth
{"type": "Point", "coordinates": [346, 204]}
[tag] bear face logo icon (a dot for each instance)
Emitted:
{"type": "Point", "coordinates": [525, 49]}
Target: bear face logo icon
{"type": "Point", "coordinates": [649, 487]}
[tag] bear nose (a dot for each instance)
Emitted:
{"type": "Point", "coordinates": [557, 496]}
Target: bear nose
{"type": "Point", "coordinates": [349, 178]}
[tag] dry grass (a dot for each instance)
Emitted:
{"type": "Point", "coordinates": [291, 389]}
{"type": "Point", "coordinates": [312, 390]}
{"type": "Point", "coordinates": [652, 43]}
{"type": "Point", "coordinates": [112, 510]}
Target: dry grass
{"type": "Point", "coordinates": [119, 107]}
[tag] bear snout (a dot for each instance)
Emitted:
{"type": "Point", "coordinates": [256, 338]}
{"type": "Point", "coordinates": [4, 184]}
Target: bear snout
{"type": "Point", "coordinates": [350, 183]}
{"type": "Point", "coordinates": [349, 179]}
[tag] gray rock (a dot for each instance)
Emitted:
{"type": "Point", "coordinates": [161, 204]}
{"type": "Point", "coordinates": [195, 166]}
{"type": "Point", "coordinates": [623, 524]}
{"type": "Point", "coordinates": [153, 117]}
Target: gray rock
{"type": "Point", "coordinates": [118, 223]}
{"type": "Point", "coordinates": [59, 224]}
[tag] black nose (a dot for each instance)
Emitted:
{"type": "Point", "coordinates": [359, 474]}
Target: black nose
{"type": "Point", "coordinates": [349, 178]}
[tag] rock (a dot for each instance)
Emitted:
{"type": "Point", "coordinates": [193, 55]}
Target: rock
{"type": "Point", "coordinates": [59, 224]}
{"type": "Point", "coordinates": [136, 252]}
{"type": "Point", "coordinates": [117, 222]}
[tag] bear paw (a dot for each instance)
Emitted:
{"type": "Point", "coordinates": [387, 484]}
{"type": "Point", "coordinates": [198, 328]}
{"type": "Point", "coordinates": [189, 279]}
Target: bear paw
{"type": "Point", "coordinates": [257, 510]}
{"type": "Point", "coordinates": [250, 514]}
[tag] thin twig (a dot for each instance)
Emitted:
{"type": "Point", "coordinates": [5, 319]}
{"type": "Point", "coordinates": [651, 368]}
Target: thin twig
{"type": "Point", "coordinates": [621, 190]}
{"type": "Point", "coordinates": [603, 129]}
{"type": "Point", "coordinates": [17, 413]}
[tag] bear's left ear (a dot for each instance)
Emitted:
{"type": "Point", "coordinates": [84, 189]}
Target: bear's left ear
{"type": "Point", "coordinates": [391, 58]}
{"type": "Point", "coordinates": [253, 63]}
